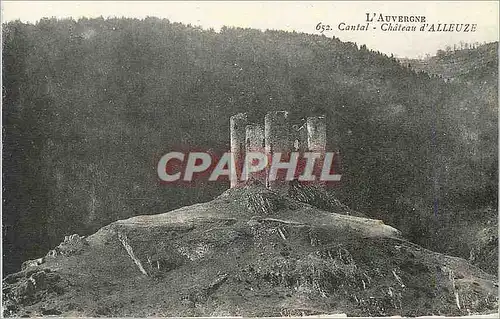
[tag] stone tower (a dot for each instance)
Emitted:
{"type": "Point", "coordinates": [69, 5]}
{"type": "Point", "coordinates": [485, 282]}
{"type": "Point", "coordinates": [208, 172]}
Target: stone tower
{"type": "Point", "coordinates": [277, 140]}
{"type": "Point", "coordinates": [238, 123]}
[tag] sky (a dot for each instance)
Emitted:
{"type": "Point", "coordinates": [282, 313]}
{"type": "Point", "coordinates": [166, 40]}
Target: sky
{"type": "Point", "coordinates": [300, 16]}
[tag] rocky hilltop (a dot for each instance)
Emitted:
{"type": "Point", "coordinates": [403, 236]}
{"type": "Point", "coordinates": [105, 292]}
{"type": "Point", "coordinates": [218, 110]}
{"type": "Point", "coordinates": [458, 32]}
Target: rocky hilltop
{"type": "Point", "coordinates": [248, 252]}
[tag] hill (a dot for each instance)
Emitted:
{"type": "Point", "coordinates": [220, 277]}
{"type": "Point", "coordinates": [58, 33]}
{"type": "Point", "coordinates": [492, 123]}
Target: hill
{"type": "Point", "coordinates": [91, 105]}
{"type": "Point", "coordinates": [476, 65]}
{"type": "Point", "coordinates": [476, 70]}
{"type": "Point", "coordinates": [248, 252]}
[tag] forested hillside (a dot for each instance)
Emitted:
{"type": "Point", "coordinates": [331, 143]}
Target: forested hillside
{"type": "Point", "coordinates": [89, 107]}
{"type": "Point", "coordinates": [476, 64]}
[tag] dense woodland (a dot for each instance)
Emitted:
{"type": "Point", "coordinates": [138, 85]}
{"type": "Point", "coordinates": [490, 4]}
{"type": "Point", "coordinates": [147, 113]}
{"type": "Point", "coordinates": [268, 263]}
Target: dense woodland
{"type": "Point", "coordinates": [470, 63]}
{"type": "Point", "coordinates": [89, 106]}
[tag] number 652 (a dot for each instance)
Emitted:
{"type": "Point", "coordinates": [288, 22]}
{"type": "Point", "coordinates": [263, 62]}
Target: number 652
{"type": "Point", "coordinates": [322, 27]}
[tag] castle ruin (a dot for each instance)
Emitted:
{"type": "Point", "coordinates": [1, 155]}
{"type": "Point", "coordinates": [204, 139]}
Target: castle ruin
{"type": "Point", "coordinates": [275, 136]}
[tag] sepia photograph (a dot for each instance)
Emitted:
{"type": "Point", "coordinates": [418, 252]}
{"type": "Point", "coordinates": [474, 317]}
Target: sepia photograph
{"type": "Point", "coordinates": [325, 159]}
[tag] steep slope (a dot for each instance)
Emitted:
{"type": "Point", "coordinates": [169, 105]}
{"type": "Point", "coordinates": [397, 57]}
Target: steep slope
{"type": "Point", "coordinates": [249, 252]}
{"type": "Point", "coordinates": [468, 227]}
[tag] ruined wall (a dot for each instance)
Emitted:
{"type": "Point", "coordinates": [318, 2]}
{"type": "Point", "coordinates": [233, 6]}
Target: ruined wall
{"type": "Point", "coordinates": [299, 134]}
{"type": "Point", "coordinates": [277, 140]}
{"type": "Point", "coordinates": [255, 142]}
{"type": "Point", "coordinates": [316, 142]}
{"type": "Point", "coordinates": [277, 132]}
{"type": "Point", "coordinates": [238, 123]}
{"type": "Point", "coordinates": [316, 134]}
